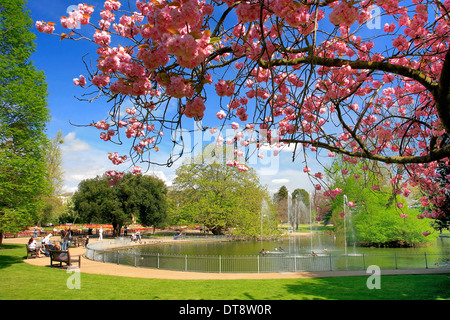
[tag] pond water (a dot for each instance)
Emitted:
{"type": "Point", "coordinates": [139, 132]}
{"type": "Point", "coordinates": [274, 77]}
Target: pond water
{"type": "Point", "coordinates": [300, 245]}
{"type": "Point", "coordinates": [288, 254]}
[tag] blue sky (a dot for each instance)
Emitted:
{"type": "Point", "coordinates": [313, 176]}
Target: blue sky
{"type": "Point", "coordinates": [84, 154]}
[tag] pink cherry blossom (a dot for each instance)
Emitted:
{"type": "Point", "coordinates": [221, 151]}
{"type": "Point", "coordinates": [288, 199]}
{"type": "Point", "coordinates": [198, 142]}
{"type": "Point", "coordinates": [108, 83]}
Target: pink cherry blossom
{"type": "Point", "coordinates": [116, 159]}
{"type": "Point", "coordinates": [235, 125]}
{"type": "Point", "coordinates": [195, 108]}
{"type": "Point", "coordinates": [80, 81]}
{"type": "Point", "coordinates": [389, 28]}
{"type": "Point", "coordinates": [221, 114]}
{"type": "Point", "coordinates": [179, 88]}
{"type": "Point", "coordinates": [136, 170]}
{"type": "Point", "coordinates": [343, 14]}
{"type": "Point", "coordinates": [100, 80]}
{"type": "Point", "coordinates": [102, 38]}
{"type": "Point", "coordinates": [224, 88]}
{"type": "Point", "coordinates": [112, 5]}
{"type": "Point", "coordinates": [48, 27]}
{"type": "Point", "coordinates": [366, 95]}
{"type": "Point", "coordinates": [102, 125]}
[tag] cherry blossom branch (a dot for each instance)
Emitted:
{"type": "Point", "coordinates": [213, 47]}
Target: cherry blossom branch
{"type": "Point", "coordinates": [417, 75]}
{"type": "Point", "coordinates": [443, 96]}
{"type": "Point", "coordinates": [432, 156]}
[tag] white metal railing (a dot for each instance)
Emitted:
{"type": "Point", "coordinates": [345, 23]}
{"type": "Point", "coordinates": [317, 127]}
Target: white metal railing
{"type": "Point", "coordinates": [107, 251]}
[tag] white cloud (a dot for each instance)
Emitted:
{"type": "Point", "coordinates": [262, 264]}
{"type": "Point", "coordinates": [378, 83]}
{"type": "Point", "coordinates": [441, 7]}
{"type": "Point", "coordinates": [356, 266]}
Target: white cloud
{"type": "Point", "coordinates": [289, 175]}
{"type": "Point", "coordinates": [280, 181]}
{"type": "Point", "coordinates": [84, 160]}
{"type": "Point", "coordinates": [161, 175]}
{"type": "Point", "coordinates": [81, 161]}
{"type": "Point", "coordinates": [72, 144]}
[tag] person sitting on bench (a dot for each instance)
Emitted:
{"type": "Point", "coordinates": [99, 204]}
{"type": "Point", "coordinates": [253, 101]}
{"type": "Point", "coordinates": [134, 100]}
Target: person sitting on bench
{"type": "Point", "coordinates": [32, 247]}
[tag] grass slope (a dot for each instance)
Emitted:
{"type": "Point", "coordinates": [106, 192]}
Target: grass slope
{"type": "Point", "coordinates": [22, 281]}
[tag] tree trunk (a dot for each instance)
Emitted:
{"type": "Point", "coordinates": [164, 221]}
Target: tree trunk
{"type": "Point", "coordinates": [1, 239]}
{"type": "Point", "coordinates": [116, 229]}
{"type": "Point", "coordinates": [215, 230]}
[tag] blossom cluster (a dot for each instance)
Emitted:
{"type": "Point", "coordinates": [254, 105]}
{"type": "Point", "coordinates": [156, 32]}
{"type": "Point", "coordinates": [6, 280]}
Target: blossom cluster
{"type": "Point", "coordinates": [175, 48]}
{"type": "Point", "coordinates": [344, 14]}
{"type": "Point", "coordinates": [194, 108]}
{"type": "Point", "coordinates": [80, 16]}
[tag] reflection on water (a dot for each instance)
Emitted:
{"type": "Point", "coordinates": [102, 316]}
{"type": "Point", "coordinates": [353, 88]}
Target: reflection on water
{"type": "Point", "coordinates": [299, 245]}
{"type": "Point", "coordinates": [294, 253]}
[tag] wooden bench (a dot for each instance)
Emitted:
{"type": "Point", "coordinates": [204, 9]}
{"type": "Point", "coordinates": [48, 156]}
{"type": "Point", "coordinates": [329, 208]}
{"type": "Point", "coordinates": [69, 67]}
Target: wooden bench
{"type": "Point", "coordinates": [32, 252]}
{"type": "Point", "coordinates": [63, 256]}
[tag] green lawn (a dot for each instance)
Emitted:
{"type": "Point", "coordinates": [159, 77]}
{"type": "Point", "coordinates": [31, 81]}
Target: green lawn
{"type": "Point", "coordinates": [22, 281]}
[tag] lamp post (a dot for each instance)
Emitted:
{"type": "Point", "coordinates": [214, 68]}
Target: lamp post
{"type": "Point", "coordinates": [264, 208]}
{"type": "Point", "coordinates": [261, 229]}
{"type": "Point", "coordinates": [310, 218]}
{"type": "Point", "coordinates": [345, 226]}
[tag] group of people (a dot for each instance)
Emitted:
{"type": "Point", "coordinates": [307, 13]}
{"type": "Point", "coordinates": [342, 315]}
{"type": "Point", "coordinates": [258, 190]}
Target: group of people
{"type": "Point", "coordinates": [45, 244]}
{"type": "Point", "coordinates": [135, 237]}
{"type": "Point", "coordinates": [178, 235]}
{"type": "Point", "coordinates": [66, 238]}
{"type": "Point", "coordinates": [264, 252]}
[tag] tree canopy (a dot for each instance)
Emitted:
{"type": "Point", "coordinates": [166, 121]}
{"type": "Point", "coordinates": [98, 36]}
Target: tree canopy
{"type": "Point", "coordinates": [23, 119]}
{"type": "Point", "coordinates": [139, 198]}
{"type": "Point", "coordinates": [366, 79]}
{"type": "Point", "coordinates": [221, 198]}
{"type": "Point", "coordinates": [375, 216]}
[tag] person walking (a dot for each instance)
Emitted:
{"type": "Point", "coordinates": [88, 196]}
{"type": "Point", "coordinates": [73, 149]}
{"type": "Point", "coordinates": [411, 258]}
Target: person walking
{"type": "Point", "coordinates": [62, 235]}
{"type": "Point", "coordinates": [100, 234]}
{"type": "Point", "coordinates": [65, 244]}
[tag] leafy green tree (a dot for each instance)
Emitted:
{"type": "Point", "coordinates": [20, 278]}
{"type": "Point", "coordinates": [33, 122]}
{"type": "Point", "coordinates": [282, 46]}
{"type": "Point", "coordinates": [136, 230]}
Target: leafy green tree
{"type": "Point", "coordinates": [144, 198]}
{"type": "Point", "coordinates": [221, 198]}
{"type": "Point", "coordinates": [55, 172]}
{"type": "Point", "coordinates": [378, 217]}
{"type": "Point", "coordinates": [280, 198]}
{"type": "Point", "coordinates": [301, 195]}
{"type": "Point", "coordinates": [133, 198]}
{"type": "Point", "coordinates": [23, 118]}
{"type": "Point", "coordinates": [54, 207]}
{"type": "Point", "coordinates": [281, 194]}
{"type": "Point", "coordinates": [440, 203]}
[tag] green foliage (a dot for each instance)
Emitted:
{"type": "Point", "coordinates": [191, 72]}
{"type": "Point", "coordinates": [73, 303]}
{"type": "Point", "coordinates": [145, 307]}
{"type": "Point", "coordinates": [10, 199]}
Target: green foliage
{"type": "Point", "coordinates": [302, 195]}
{"type": "Point", "coordinates": [376, 218]}
{"type": "Point", "coordinates": [281, 194]}
{"type": "Point", "coordinates": [387, 227]}
{"type": "Point", "coordinates": [144, 197]}
{"type": "Point", "coordinates": [23, 118]}
{"type": "Point", "coordinates": [443, 220]}
{"type": "Point", "coordinates": [220, 197]}
{"type": "Point", "coordinates": [54, 207]}
{"type": "Point", "coordinates": [133, 198]}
